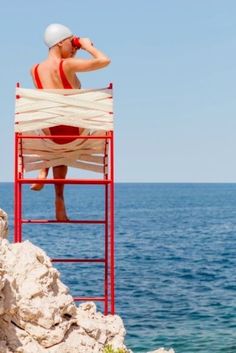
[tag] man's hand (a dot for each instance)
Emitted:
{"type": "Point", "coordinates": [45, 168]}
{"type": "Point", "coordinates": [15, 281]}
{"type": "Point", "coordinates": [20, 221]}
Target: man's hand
{"type": "Point", "coordinates": [85, 43]}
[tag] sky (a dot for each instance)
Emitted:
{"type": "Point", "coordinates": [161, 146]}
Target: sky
{"type": "Point", "coordinates": [173, 69]}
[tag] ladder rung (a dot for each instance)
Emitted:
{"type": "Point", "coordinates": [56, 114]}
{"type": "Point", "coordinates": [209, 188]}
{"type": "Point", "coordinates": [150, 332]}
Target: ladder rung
{"type": "Point", "coordinates": [50, 137]}
{"type": "Point", "coordinates": [45, 221]}
{"type": "Point", "coordinates": [65, 181]}
{"type": "Point", "coordinates": [97, 299]}
{"type": "Point", "coordinates": [78, 260]}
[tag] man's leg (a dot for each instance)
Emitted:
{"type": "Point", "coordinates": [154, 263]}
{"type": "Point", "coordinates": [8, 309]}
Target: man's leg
{"type": "Point", "coordinates": [60, 172]}
{"type": "Point", "coordinates": [43, 173]}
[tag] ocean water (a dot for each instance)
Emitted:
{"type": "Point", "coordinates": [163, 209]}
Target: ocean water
{"type": "Point", "coordinates": [175, 258]}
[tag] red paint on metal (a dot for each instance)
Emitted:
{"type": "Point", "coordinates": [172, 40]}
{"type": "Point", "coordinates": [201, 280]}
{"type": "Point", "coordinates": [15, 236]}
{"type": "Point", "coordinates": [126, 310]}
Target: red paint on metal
{"type": "Point", "coordinates": [112, 226]}
{"type": "Point", "coordinates": [44, 137]}
{"type": "Point", "coordinates": [16, 185]}
{"type": "Point", "coordinates": [96, 299]}
{"type": "Point", "coordinates": [79, 260]}
{"type": "Point", "coordinates": [106, 272]}
{"type": "Point", "coordinates": [46, 221]}
{"type": "Point", "coordinates": [63, 181]}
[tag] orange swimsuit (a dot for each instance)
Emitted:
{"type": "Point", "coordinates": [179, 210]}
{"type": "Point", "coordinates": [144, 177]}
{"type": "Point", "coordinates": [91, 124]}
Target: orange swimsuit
{"type": "Point", "coordinates": [60, 129]}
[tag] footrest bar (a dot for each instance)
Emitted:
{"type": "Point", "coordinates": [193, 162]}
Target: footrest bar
{"type": "Point", "coordinates": [95, 299]}
{"type": "Point", "coordinates": [45, 221]}
{"type": "Point", "coordinates": [65, 181]}
{"type": "Point", "coordinates": [79, 260]}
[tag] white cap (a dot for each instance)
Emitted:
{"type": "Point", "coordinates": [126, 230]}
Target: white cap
{"type": "Point", "coordinates": [55, 33]}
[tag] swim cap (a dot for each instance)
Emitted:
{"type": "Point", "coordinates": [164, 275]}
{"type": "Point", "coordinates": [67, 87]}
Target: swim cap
{"type": "Point", "coordinates": [55, 33]}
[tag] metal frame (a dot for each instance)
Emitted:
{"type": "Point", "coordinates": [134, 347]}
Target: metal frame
{"type": "Point", "coordinates": [109, 227]}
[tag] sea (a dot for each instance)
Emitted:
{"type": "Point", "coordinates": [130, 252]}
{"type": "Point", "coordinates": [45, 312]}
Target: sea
{"type": "Point", "coordinates": [175, 258]}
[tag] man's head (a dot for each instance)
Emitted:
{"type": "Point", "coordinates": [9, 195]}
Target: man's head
{"type": "Point", "coordinates": [56, 33]}
{"type": "Point", "coordinates": [59, 38]}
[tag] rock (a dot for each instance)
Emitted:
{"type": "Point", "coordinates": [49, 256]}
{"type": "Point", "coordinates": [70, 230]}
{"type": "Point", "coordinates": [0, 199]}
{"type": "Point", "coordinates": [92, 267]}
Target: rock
{"type": "Point", "coordinates": [3, 224]}
{"type": "Point", "coordinates": [37, 313]}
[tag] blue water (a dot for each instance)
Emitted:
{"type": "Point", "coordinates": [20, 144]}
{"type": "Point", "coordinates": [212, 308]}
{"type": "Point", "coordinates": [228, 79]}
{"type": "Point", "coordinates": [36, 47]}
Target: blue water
{"type": "Point", "coordinates": [175, 258]}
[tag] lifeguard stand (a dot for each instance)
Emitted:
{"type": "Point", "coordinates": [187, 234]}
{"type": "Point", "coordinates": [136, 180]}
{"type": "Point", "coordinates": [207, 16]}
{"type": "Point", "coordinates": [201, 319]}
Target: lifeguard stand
{"type": "Point", "coordinates": [93, 150]}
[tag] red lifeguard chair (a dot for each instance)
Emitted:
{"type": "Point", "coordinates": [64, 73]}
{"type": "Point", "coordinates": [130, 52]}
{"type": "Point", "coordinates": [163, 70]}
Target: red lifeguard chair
{"type": "Point", "coordinates": [93, 150]}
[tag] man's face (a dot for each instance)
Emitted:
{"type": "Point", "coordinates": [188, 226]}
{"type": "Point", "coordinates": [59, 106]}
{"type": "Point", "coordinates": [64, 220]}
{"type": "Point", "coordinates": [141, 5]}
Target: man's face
{"type": "Point", "coordinates": [67, 49]}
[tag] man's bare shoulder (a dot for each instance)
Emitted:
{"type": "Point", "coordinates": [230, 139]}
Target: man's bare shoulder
{"type": "Point", "coordinates": [33, 69]}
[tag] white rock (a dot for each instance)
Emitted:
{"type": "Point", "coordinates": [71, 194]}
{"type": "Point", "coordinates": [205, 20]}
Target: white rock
{"type": "Point", "coordinates": [3, 224]}
{"type": "Point", "coordinates": [2, 297]}
{"type": "Point", "coordinates": [37, 313]}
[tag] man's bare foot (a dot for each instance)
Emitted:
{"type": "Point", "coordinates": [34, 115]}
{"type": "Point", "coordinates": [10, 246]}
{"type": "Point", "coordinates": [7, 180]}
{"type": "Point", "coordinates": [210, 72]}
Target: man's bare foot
{"type": "Point", "coordinates": [42, 175]}
{"type": "Point", "coordinates": [60, 210]}
{"type": "Point", "coordinates": [36, 187]}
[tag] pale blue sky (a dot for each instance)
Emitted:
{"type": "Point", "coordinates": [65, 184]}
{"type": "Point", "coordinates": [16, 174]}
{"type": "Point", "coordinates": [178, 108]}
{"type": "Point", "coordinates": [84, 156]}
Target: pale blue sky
{"type": "Point", "coordinates": [174, 73]}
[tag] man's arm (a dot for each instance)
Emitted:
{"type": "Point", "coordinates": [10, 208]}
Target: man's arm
{"type": "Point", "coordinates": [98, 60]}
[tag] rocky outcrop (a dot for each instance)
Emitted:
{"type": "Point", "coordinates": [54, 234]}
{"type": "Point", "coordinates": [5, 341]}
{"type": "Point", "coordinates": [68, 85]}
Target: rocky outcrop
{"type": "Point", "coordinates": [37, 312]}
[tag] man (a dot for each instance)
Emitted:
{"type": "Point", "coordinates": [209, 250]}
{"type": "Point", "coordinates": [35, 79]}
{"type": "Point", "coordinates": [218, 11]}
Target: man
{"type": "Point", "coordinates": [59, 71]}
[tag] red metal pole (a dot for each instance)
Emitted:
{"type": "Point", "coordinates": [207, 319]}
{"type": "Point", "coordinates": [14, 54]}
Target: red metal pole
{"type": "Point", "coordinates": [64, 181]}
{"type": "Point", "coordinates": [19, 213]}
{"type": "Point", "coordinates": [20, 173]}
{"type": "Point", "coordinates": [106, 253]}
{"type": "Point", "coordinates": [16, 184]}
{"type": "Point", "coordinates": [79, 260]}
{"type": "Point", "coordinates": [112, 228]}
{"type": "Point", "coordinates": [106, 235]}
{"type": "Point", "coordinates": [47, 221]}
{"type": "Point", "coordinates": [96, 299]}
{"type": "Point", "coordinates": [79, 137]}
{"type": "Point", "coordinates": [16, 187]}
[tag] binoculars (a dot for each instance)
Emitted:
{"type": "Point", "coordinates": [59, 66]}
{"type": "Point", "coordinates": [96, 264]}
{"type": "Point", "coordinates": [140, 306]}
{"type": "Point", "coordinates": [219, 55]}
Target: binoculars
{"type": "Point", "coordinates": [76, 43]}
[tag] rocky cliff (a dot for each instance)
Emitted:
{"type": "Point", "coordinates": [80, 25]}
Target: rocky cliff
{"type": "Point", "coordinates": [37, 312]}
